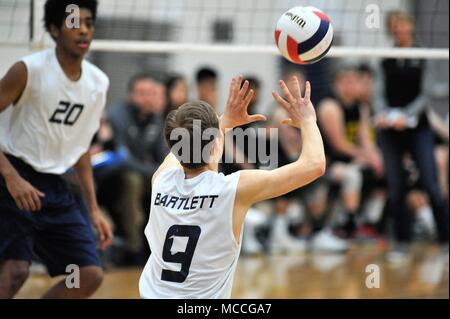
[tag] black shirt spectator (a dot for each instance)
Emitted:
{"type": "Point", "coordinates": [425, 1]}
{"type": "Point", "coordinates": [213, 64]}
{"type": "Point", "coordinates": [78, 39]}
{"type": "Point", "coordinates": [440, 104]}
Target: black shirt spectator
{"type": "Point", "coordinates": [402, 94]}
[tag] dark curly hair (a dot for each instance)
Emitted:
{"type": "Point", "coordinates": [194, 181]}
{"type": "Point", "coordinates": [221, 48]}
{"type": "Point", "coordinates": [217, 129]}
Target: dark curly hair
{"type": "Point", "coordinates": [55, 10]}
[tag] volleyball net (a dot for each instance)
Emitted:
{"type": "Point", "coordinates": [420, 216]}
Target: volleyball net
{"type": "Point", "coordinates": [232, 36]}
{"type": "Point", "coordinates": [362, 28]}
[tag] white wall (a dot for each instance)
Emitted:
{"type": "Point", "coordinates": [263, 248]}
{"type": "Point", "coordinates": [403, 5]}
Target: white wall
{"type": "Point", "coordinates": [14, 28]}
{"type": "Point", "coordinates": [11, 55]}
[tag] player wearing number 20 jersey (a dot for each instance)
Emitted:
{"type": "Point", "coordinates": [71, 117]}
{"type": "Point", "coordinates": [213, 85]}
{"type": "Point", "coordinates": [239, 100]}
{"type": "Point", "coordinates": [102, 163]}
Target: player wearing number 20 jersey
{"type": "Point", "coordinates": [50, 108]}
{"type": "Point", "coordinates": [47, 131]}
{"type": "Point", "coordinates": [54, 121]}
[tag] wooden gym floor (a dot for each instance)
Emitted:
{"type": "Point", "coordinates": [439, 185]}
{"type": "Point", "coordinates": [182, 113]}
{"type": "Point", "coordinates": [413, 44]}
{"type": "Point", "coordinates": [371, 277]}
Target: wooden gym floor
{"type": "Point", "coordinates": [309, 275]}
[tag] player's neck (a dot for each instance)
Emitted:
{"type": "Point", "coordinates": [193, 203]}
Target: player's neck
{"type": "Point", "coordinates": [191, 173]}
{"type": "Point", "coordinates": [70, 64]}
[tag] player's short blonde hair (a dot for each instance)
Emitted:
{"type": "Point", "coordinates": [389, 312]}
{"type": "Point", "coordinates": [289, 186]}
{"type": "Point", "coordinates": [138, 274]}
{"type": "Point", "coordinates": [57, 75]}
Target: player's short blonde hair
{"type": "Point", "coordinates": [195, 117]}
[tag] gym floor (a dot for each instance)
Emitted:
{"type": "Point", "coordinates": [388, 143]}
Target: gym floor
{"type": "Point", "coordinates": [309, 275]}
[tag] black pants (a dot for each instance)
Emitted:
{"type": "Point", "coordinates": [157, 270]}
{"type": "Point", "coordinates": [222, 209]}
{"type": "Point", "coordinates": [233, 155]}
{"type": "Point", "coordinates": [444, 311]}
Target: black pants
{"type": "Point", "coordinates": [420, 144]}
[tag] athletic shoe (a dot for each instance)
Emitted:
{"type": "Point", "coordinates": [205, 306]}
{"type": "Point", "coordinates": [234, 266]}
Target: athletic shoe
{"type": "Point", "coordinates": [326, 241]}
{"type": "Point", "coordinates": [281, 240]}
{"type": "Point", "coordinates": [286, 243]}
{"type": "Point", "coordinates": [250, 244]}
{"type": "Point", "coordinates": [399, 254]}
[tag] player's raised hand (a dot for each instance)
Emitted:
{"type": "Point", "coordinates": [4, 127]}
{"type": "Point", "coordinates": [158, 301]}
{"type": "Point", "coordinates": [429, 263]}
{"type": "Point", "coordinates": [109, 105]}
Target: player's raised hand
{"type": "Point", "coordinates": [103, 229]}
{"type": "Point", "coordinates": [236, 113]}
{"type": "Point", "coordinates": [299, 108]}
{"type": "Point", "coordinates": [26, 196]}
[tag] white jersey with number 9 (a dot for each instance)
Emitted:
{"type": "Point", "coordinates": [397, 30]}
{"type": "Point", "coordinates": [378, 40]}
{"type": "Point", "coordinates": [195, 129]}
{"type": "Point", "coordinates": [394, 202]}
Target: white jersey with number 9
{"type": "Point", "coordinates": [194, 252]}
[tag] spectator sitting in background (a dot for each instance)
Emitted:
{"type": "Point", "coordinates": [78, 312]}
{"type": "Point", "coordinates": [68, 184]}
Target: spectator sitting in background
{"type": "Point", "coordinates": [159, 99]}
{"type": "Point", "coordinates": [137, 126]}
{"type": "Point", "coordinates": [346, 127]}
{"type": "Point", "coordinates": [374, 205]}
{"type": "Point", "coordinates": [206, 79]}
{"type": "Point", "coordinates": [241, 158]}
{"type": "Point", "coordinates": [177, 92]}
{"type": "Point", "coordinates": [312, 196]}
{"type": "Point", "coordinates": [239, 152]}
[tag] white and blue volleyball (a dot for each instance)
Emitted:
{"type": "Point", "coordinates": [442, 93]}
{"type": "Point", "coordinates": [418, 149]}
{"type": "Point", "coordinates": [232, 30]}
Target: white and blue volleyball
{"type": "Point", "coordinates": [304, 35]}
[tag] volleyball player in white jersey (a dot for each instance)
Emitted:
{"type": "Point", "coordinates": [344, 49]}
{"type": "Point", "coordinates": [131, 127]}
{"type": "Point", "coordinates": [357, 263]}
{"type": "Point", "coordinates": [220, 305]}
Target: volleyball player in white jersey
{"type": "Point", "coordinates": [196, 217]}
{"type": "Point", "coordinates": [56, 99]}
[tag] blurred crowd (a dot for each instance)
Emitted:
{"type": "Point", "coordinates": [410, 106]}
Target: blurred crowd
{"type": "Point", "coordinates": [387, 159]}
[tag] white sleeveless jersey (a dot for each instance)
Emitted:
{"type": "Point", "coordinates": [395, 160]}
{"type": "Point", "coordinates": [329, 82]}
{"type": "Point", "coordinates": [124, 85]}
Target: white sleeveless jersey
{"type": "Point", "coordinates": [193, 249]}
{"type": "Point", "coordinates": [55, 119]}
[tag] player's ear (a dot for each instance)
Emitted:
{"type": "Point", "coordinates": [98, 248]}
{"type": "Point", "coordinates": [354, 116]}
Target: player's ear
{"type": "Point", "coordinates": [216, 149]}
{"type": "Point", "coordinates": [54, 31]}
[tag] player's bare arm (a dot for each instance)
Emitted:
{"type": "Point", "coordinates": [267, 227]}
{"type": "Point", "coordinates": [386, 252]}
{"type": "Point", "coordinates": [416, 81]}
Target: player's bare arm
{"type": "Point", "coordinates": [25, 195]}
{"type": "Point", "coordinates": [83, 169]}
{"type": "Point", "coordinates": [12, 85]}
{"type": "Point", "coordinates": [258, 185]}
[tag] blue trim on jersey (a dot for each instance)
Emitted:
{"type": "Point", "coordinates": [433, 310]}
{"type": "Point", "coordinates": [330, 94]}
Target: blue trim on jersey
{"type": "Point", "coordinates": [309, 44]}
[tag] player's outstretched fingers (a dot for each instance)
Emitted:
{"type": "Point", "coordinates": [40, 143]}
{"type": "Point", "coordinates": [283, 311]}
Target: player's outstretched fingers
{"type": "Point", "coordinates": [287, 94]}
{"type": "Point", "coordinates": [307, 96]}
{"type": "Point", "coordinates": [244, 90]}
{"type": "Point", "coordinates": [248, 98]}
{"type": "Point", "coordinates": [232, 85]}
{"type": "Point", "coordinates": [238, 84]}
{"type": "Point", "coordinates": [282, 102]}
{"type": "Point", "coordinates": [297, 92]}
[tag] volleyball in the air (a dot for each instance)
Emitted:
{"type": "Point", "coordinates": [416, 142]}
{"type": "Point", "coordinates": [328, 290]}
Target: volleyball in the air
{"type": "Point", "coordinates": [304, 35]}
